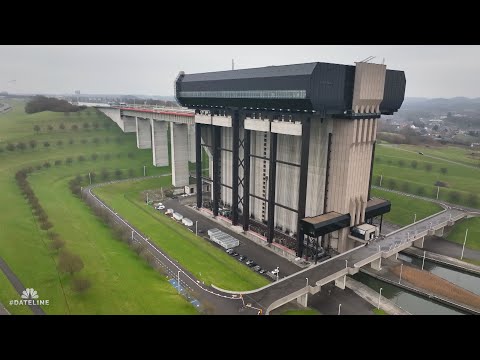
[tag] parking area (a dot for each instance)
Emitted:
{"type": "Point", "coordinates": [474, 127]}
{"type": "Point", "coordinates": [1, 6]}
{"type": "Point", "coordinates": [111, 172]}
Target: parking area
{"type": "Point", "coordinates": [249, 253]}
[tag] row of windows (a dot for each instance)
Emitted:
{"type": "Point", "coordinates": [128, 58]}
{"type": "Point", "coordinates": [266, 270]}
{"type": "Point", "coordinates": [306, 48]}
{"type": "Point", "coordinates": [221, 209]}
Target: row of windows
{"type": "Point", "coordinates": [248, 94]}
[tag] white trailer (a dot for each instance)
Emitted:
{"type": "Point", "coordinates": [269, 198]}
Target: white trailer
{"type": "Point", "coordinates": [187, 222]}
{"type": "Point", "coordinates": [177, 216]}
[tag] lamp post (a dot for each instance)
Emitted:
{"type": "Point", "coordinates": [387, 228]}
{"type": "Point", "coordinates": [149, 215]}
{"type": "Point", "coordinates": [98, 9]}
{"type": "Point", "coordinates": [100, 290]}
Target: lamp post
{"type": "Point", "coordinates": [90, 177]}
{"type": "Point", "coordinates": [144, 170]}
{"type": "Point", "coordinates": [464, 242]}
{"type": "Point", "coordinates": [346, 263]}
{"type": "Point", "coordinates": [438, 190]}
{"type": "Point", "coordinates": [379, 297]}
{"type": "Point", "coordinates": [423, 261]}
{"type": "Point", "coordinates": [339, 307]}
{"type": "Point", "coordinates": [178, 281]}
{"type": "Point", "coordinates": [196, 227]}
{"type": "Point", "coordinates": [381, 178]}
{"type": "Point", "coordinates": [132, 235]}
{"type": "Point", "coordinates": [307, 282]}
{"type": "Point", "coordinates": [415, 218]}
{"type": "Point", "coordinates": [401, 269]}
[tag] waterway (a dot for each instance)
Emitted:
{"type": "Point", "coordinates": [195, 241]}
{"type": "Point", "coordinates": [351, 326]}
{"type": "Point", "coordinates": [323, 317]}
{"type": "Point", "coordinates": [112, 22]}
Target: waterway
{"type": "Point", "coordinates": [418, 305]}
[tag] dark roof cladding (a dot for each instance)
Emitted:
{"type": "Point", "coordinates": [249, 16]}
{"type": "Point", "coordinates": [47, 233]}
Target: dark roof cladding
{"type": "Point", "coordinates": [322, 87]}
{"type": "Point", "coordinates": [262, 72]}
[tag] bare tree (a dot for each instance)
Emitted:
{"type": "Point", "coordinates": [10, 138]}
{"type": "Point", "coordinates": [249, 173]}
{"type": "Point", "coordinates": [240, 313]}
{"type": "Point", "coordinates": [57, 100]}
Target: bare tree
{"type": "Point", "coordinates": [69, 263]}
{"type": "Point", "coordinates": [36, 128]}
{"type": "Point", "coordinates": [443, 170]}
{"type": "Point", "coordinates": [57, 243]}
{"type": "Point", "coordinates": [428, 167]}
{"type": "Point", "coordinates": [50, 127]}
{"type": "Point", "coordinates": [61, 126]}
{"type": "Point", "coordinates": [414, 164]}
{"type": "Point", "coordinates": [32, 144]}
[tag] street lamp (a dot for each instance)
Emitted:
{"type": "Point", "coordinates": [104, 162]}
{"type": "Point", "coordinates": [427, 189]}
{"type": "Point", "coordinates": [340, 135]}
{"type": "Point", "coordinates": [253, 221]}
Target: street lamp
{"type": "Point", "coordinates": [423, 261]}
{"type": "Point", "coordinates": [346, 263]}
{"type": "Point", "coordinates": [196, 227]}
{"type": "Point", "coordinates": [178, 281]}
{"type": "Point", "coordinates": [415, 218]}
{"type": "Point", "coordinates": [379, 297]}
{"type": "Point", "coordinates": [90, 177]}
{"type": "Point", "coordinates": [438, 190]}
{"type": "Point", "coordinates": [381, 178]}
{"type": "Point", "coordinates": [132, 235]}
{"type": "Point", "coordinates": [144, 170]}
{"type": "Point", "coordinates": [339, 307]}
{"type": "Point", "coordinates": [401, 269]}
{"type": "Point", "coordinates": [307, 282]}
{"type": "Point", "coordinates": [464, 242]}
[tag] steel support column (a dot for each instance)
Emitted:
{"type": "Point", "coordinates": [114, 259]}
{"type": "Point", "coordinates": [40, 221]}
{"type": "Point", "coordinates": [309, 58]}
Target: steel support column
{"type": "Point", "coordinates": [235, 163]}
{"type": "Point", "coordinates": [246, 179]}
{"type": "Point", "coordinates": [371, 171]}
{"type": "Point", "coordinates": [327, 173]}
{"type": "Point", "coordinates": [272, 180]}
{"type": "Point", "coordinates": [302, 188]}
{"type": "Point", "coordinates": [198, 163]}
{"type": "Point", "coordinates": [216, 144]}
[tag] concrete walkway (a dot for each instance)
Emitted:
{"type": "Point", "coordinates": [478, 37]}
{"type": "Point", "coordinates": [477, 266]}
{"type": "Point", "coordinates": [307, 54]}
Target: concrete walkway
{"type": "Point", "coordinates": [17, 284]}
{"type": "Point", "coordinates": [372, 297]}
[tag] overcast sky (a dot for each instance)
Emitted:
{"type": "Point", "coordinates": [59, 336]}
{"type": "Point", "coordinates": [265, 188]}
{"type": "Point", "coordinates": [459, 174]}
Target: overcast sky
{"type": "Point", "coordinates": [431, 71]}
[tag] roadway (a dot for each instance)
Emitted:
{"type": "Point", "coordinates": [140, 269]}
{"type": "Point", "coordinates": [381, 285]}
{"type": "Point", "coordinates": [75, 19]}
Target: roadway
{"type": "Point", "coordinates": [222, 303]}
{"type": "Point", "coordinates": [339, 265]}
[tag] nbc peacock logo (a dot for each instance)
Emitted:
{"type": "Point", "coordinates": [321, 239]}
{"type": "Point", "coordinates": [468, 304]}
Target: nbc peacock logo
{"type": "Point", "coordinates": [29, 293]}
{"type": "Point", "coordinates": [29, 297]}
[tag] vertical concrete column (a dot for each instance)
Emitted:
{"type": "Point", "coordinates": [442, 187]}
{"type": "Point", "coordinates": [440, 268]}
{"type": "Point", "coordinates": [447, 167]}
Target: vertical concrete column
{"type": "Point", "coordinates": [376, 264]}
{"type": "Point", "coordinates": [179, 147]}
{"type": "Point", "coordinates": [340, 282]}
{"type": "Point", "coordinates": [144, 133]}
{"type": "Point", "coordinates": [303, 300]}
{"type": "Point", "coordinates": [419, 242]}
{"type": "Point", "coordinates": [439, 232]}
{"type": "Point", "coordinates": [129, 124]}
{"type": "Point", "coordinates": [191, 143]}
{"type": "Point", "coordinates": [159, 143]}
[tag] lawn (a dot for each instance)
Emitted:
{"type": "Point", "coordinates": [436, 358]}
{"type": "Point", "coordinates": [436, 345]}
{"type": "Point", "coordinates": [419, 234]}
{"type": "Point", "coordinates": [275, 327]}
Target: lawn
{"type": "Point", "coordinates": [199, 256]}
{"type": "Point", "coordinates": [301, 312]}
{"type": "Point", "coordinates": [409, 172]}
{"type": "Point", "coordinates": [7, 293]}
{"type": "Point", "coordinates": [463, 155]}
{"type": "Point", "coordinates": [404, 207]}
{"type": "Point", "coordinates": [122, 283]}
{"type": "Point", "coordinates": [379, 311]}
{"type": "Point", "coordinates": [457, 234]}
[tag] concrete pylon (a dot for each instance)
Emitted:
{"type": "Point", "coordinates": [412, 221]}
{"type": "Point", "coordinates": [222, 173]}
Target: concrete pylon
{"type": "Point", "coordinates": [129, 124]}
{"type": "Point", "coordinates": [144, 133]}
{"type": "Point", "coordinates": [179, 153]}
{"type": "Point", "coordinates": [191, 143]}
{"type": "Point", "coordinates": [159, 143]}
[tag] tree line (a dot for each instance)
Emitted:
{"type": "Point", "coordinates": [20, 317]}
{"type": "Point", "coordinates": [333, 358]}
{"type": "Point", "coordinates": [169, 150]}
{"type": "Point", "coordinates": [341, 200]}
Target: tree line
{"type": "Point", "coordinates": [42, 103]}
{"type": "Point", "coordinates": [74, 127]}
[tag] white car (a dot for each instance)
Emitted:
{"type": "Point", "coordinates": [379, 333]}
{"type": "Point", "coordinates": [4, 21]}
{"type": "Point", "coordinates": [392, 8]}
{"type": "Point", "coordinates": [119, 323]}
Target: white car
{"type": "Point", "coordinates": [160, 207]}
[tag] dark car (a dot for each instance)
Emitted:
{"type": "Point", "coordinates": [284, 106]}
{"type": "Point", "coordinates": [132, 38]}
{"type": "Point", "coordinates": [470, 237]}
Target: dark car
{"type": "Point", "coordinates": [250, 263]}
{"type": "Point", "coordinates": [234, 254]}
{"type": "Point", "coordinates": [257, 268]}
{"type": "Point", "coordinates": [241, 258]}
{"type": "Point", "coordinates": [262, 271]}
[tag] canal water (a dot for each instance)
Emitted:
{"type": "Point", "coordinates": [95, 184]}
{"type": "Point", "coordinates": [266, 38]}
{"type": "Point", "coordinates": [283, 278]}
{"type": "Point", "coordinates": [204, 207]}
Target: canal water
{"type": "Point", "coordinates": [418, 305]}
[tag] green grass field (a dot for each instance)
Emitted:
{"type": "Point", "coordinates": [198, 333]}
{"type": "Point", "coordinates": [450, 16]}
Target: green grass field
{"type": "Point", "coordinates": [467, 156]}
{"type": "Point", "coordinates": [200, 257]}
{"type": "Point", "coordinates": [395, 165]}
{"type": "Point", "coordinates": [379, 311]}
{"type": "Point", "coordinates": [122, 283]}
{"type": "Point", "coordinates": [457, 234]}
{"type": "Point", "coordinates": [404, 208]}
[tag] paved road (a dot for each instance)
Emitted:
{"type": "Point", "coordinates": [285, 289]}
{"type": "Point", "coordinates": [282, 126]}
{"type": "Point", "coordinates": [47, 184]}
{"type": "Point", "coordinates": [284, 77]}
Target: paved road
{"type": "Point", "coordinates": [448, 248]}
{"type": "Point", "coordinates": [338, 264]}
{"type": "Point", "coordinates": [262, 256]}
{"type": "Point", "coordinates": [3, 310]}
{"type": "Point", "coordinates": [222, 303]}
{"type": "Point", "coordinates": [17, 284]}
{"type": "Point", "coordinates": [433, 157]}
{"type": "Point", "coordinates": [440, 202]}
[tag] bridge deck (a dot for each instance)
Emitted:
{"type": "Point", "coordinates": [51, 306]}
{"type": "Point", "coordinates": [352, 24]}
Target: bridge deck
{"type": "Point", "coordinates": [335, 267]}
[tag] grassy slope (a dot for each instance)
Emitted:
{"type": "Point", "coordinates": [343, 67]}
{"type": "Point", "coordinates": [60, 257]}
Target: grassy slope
{"type": "Point", "coordinates": [7, 293]}
{"type": "Point", "coordinates": [459, 178]}
{"type": "Point", "coordinates": [454, 153]}
{"type": "Point", "coordinates": [473, 238]}
{"type": "Point", "coordinates": [197, 255]}
{"type": "Point", "coordinates": [121, 282]}
{"type": "Point", "coordinates": [404, 208]}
